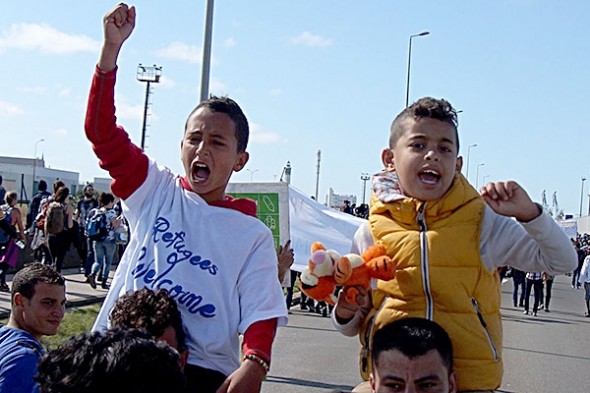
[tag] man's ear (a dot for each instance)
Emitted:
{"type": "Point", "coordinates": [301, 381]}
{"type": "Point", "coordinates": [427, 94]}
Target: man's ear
{"type": "Point", "coordinates": [387, 158]}
{"type": "Point", "coordinates": [372, 382]}
{"type": "Point", "coordinates": [18, 299]}
{"type": "Point", "coordinates": [452, 383]}
{"type": "Point", "coordinates": [458, 165]}
{"type": "Point", "coordinates": [241, 161]}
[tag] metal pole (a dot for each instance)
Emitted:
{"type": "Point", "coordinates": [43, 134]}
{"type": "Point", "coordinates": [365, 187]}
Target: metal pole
{"type": "Point", "coordinates": [145, 111]}
{"type": "Point", "coordinates": [477, 176]}
{"type": "Point", "coordinates": [364, 178]}
{"type": "Point", "coordinates": [207, 51]}
{"type": "Point", "coordinates": [317, 178]}
{"type": "Point", "coordinates": [409, 61]}
{"type": "Point", "coordinates": [469, 151]}
{"type": "Point", "coordinates": [582, 195]}
{"type": "Point", "coordinates": [35, 164]}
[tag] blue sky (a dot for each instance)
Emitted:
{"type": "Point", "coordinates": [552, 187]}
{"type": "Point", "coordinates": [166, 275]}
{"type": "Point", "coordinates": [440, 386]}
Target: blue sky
{"type": "Point", "coordinates": [316, 75]}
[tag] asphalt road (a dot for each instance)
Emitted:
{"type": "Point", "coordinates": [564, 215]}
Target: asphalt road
{"type": "Point", "coordinates": [548, 353]}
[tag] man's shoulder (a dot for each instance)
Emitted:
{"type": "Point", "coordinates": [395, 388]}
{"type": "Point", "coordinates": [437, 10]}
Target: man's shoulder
{"type": "Point", "coordinates": [18, 343]}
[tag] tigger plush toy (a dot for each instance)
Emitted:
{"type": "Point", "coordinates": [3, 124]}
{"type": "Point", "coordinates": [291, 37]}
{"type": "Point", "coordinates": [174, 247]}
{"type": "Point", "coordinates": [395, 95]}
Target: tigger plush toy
{"type": "Point", "coordinates": [328, 269]}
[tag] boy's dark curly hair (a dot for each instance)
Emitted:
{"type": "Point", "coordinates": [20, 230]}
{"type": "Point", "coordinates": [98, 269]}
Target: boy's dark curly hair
{"type": "Point", "coordinates": [117, 360]}
{"type": "Point", "coordinates": [439, 109]}
{"type": "Point", "coordinates": [151, 310]}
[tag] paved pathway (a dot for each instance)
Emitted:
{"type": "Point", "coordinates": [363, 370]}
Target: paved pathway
{"type": "Point", "coordinates": [547, 353]}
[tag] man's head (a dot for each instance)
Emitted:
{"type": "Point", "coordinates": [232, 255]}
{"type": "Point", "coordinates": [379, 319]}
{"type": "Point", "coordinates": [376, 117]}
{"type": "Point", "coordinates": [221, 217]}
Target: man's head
{"type": "Point", "coordinates": [119, 360]}
{"type": "Point", "coordinates": [423, 149]}
{"type": "Point", "coordinates": [38, 300]}
{"type": "Point", "coordinates": [412, 354]}
{"type": "Point", "coordinates": [11, 198]}
{"type": "Point", "coordinates": [154, 311]}
{"type": "Point", "coordinates": [42, 186]}
{"type": "Point", "coordinates": [214, 146]}
{"type": "Point", "coordinates": [106, 199]}
{"type": "Point", "coordinates": [88, 191]}
{"type": "Point", "coordinates": [57, 184]}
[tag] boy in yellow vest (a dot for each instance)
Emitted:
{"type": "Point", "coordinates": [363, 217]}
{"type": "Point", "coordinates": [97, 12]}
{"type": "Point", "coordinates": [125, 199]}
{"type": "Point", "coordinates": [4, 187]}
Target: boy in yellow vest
{"type": "Point", "coordinates": [447, 241]}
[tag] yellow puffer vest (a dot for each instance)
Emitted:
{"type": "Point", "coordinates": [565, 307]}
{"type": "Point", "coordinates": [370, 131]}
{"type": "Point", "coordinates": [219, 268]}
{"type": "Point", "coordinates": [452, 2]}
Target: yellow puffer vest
{"type": "Point", "coordinates": [440, 276]}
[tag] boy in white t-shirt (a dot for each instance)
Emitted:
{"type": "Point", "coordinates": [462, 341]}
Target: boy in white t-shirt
{"type": "Point", "coordinates": [208, 250]}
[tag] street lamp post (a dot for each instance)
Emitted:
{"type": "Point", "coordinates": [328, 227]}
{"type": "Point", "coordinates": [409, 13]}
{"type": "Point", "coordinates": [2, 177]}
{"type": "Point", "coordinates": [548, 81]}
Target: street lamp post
{"type": "Point", "coordinates": [364, 178]}
{"type": "Point", "coordinates": [35, 163]}
{"type": "Point", "coordinates": [148, 74]}
{"type": "Point", "coordinates": [252, 172]}
{"type": "Point", "coordinates": [207, 51]}
{"type": "Point", "coordinates": [582, 195]}
{"type": "Point", "coordinates": [477, 175]}
{"type": "Point", "coordinates": [409, 62]}
{"type": "Point", "coordinates": [467, 166]}
{"type": "Point", "coordinates": [483, 179]}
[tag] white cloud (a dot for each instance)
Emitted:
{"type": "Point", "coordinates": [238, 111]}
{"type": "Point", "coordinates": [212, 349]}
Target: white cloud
{"type": "Point", "coordinates": [166, 83]}
{"type": "Point", "coordinates": [46, 39]}
{"type": "Point", "coordinates": [61, 133]}
{"type": "Point", "coordinates": [228, 43]}
{"type": "Point", "coordinates": [180, 51]}
{"type": "Point", "coordinates": [33, 89]}
{"type": "Point", "coordinates": [308, 39]}
{"type": "Point", "coordinates": [276, 92]}
{"type": "Point", "coordinates": [9, 110]}
{"type": "Point", "coordinates": [64, 92]}
{"type": "Point", "coordinates": [264, 137]}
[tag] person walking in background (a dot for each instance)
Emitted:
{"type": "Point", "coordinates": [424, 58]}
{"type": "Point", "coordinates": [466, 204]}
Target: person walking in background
{"type": "Point", "coordinates": [2, 190]}
{"type": "Point", "coordinates": [584, 279]}
{"type": "Point", "coordinates": [104, 249]}
{"type": "Point", "coordinates": [581, 256]}
{"type": "Point", "coordinates": [11, 234]}
{"type": "Point", "coordinates": [35, 205]}
{"type": "Point", "coordinates": [85, 205]}
{"type": "Point", "coordinates": [518, 281]}
{"type": "Point", "coordinates": [59, 218]}
{"type": "Point", "coordinates": [534, 281]}
{"type": "Point", "coordinates": [548, 281]}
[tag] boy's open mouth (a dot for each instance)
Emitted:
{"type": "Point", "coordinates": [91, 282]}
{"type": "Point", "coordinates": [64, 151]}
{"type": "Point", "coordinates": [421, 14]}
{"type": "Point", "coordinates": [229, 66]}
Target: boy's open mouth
{"type": "Point", "coordinates": [429, 176]}
{"type": "Point", "coordinates": [200, 172]}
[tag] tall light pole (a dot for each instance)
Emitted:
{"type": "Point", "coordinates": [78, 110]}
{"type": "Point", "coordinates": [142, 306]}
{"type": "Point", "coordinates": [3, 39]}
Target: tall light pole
{"type": "Point", "coordinates": [252, 172]}
{"type": "Point", "coordinates": [364, 178]}
{"type": "Point", "coordinates": [207, 51]}
{"type": "Point", "coordinates": [467, 166]}
{"type": "Point", "coordinates": [35, 163]}
{"type": "Point", "coordinates": [477, 175]}
{"type": "Point", "coordinates": [148, 74]}
{"type": "Point", "coordinates": [483, 179]}
{"type": "Point", "coordinates": [409, 63]}
{"type": "Point", "coordinates": [582, 195]}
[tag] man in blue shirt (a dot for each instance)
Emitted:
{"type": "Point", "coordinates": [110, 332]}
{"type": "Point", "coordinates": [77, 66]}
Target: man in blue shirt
{"type": "Point", "coordinates": [38, 307]}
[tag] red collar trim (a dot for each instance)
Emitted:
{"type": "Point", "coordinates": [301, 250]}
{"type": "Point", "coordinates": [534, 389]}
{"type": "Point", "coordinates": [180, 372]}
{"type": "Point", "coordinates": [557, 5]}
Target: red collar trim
{"type": "Point", "coordinates": [244, 205]}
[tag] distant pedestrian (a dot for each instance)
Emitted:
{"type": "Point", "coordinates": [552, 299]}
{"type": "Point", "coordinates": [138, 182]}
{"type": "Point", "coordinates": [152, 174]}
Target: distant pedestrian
{"type": "Point", "coordinates": [518, 281]}
{"type": "Point", "coordinates": [534, 281]}
{"type": "Point", "coordinates": [585, 280]}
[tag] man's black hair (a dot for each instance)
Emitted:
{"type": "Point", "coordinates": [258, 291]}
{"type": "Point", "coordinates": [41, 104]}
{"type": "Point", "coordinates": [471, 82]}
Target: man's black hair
{"type": "Point", "coordinates": [413, 337]}
{"type": "Point", "coordinates": [25, 279]}
{"type": "Point", "coordinates": [117, 360]}
{"type": "Point", "coordinates": [232, 109]}
{"type": "Point", "coordinates": [425, 107]}
{"type": "Point", "coordinates": [42, 186]}
{"type": "Point", "coordinates": [151, 310]}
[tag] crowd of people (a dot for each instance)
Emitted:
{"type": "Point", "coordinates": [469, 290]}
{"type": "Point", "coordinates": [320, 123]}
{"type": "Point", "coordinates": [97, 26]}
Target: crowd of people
{"type": "Point", "coordinates": [436, 326]}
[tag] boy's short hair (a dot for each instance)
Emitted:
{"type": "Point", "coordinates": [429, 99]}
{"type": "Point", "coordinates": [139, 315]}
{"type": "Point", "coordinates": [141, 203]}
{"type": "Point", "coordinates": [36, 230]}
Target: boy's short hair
{"type": "Point", "coordinates": [119, 360]}
{"type": "Point", "coordinates": [232, 109]}
{"type": "Point", "coordinates": [42, 186]}
{"type": "Point", "coordinates": [151, 310]}
{"type": "Point", "coordinates": [10, 196]}
{"type": "Point", "coordinates": [413, 337]}
{"type": "Point", "coordinates": [25, 279]}
{"type": "Point", "coordinates": [433, 108]}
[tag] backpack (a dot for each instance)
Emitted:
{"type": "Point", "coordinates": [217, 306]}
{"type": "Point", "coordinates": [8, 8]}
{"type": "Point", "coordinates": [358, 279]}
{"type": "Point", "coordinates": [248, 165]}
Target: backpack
{"type": "Point", "coordinates": [96, 225]}
{"type": "Point", "coordinates": [54, 218]}
{"type": "Point", "coordinates": [6, 229]}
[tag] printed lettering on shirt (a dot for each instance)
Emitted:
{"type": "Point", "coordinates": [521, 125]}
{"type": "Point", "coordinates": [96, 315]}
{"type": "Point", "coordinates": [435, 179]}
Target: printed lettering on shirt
{"type": "Point", "coordinates": [177, 254]}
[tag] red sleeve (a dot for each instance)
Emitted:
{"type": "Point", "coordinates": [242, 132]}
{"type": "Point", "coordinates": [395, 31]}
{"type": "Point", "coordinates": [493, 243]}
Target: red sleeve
{"type": "Point", "coordinates": [124, 161]}
{"type": "Point", "coordinates": [259, 337]}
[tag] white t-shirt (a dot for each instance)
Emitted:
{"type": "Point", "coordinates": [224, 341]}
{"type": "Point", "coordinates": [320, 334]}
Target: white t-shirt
{"type": "Point", "coordinates": [219, 264]}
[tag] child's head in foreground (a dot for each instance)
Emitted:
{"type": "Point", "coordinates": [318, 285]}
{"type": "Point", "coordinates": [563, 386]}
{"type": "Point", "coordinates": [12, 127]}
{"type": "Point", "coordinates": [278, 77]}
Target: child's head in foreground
{"type": "Point", "coordinates": [412, 354]}
{"type": "Point", "coordinates": [423, 149]}
{"type": "Point", "coordinates": [214, 145]}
